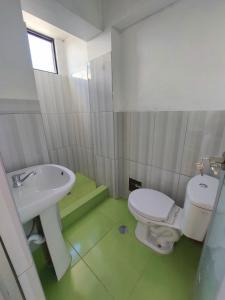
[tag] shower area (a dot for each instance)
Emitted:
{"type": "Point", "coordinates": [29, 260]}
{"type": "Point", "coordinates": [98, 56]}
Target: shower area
{"type": "Point", "coordinates": [78, 118]}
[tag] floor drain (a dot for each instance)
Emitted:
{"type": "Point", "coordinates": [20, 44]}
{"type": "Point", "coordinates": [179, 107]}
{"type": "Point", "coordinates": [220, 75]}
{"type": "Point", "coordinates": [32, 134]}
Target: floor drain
{"type": "Point", "coordinates": [123, 229]}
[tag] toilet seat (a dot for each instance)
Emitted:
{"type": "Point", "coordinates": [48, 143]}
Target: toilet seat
{"type": "Point", "coordinates": [151, 204]}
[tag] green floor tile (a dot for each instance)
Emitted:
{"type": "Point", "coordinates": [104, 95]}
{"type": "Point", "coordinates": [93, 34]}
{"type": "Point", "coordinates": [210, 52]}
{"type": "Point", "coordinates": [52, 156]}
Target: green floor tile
{"type": "Point", "coordinates": [170, 276]}
{"type": "Point", "coordinates": [117, 210]}
{"type": "Point", "coordinates": [79, 283]}
{"type": "Point", "coordinates": [118, 260]}
{"type": "Point", "coordinates": [86, 232]}
{"type": "Point", "coordinates": [75, 257]}
{"type": "Point", "coordinates": [108, 264]}
{"type": "Point", "coordinates": [117, 276]}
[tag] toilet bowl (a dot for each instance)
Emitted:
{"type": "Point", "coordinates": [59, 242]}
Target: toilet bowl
{"type": "Point", "coordinates": [161, 223]}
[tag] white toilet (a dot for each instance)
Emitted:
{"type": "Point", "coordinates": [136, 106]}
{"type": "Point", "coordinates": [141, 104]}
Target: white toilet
{"type": "Point", "coordinates": [161, 222]}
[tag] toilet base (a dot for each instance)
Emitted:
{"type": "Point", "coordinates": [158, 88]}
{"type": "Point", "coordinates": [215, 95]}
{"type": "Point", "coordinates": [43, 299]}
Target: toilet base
{"type": "Point", "coordinates": [143, 234]}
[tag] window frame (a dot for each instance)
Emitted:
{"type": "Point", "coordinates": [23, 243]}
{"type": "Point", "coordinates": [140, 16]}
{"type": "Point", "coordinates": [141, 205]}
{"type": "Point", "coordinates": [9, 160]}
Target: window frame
{"type": "Point", "coordinates": [52, 41]}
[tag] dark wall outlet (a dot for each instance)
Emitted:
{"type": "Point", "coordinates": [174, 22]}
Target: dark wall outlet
{"type": "Point", "coordinates": [134, 184]}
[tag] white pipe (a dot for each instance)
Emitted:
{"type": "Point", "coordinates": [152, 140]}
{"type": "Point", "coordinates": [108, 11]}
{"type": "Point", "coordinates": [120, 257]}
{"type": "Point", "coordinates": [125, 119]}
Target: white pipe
{"type": "Point", "coordinates": [36, 239]}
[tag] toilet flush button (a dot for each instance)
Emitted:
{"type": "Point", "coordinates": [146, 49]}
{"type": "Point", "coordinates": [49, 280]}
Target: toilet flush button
{"type": "Point", "coordinates": [203, 185]}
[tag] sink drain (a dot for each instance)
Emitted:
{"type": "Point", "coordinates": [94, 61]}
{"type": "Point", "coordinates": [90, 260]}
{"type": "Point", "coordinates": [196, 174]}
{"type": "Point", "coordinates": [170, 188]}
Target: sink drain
{"type": "Point", "coordinates": [123, 229]}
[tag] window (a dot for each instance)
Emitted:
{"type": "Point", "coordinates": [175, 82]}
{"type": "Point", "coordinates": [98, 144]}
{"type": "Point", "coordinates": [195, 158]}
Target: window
{"type": "Point", "coordinates": [42, 49]}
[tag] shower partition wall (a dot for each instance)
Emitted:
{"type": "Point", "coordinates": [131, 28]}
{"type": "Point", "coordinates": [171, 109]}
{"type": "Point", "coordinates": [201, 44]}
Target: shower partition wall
{"type": "Point", "coordinates": [210, 279]}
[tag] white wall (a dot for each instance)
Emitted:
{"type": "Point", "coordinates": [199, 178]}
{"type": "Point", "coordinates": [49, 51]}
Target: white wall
{"type": "Point", "coordinates": [99, 45]}
{"type": "Point", "coordinates": [123, 13]}
{"type": "Point", "coordinates": [16, 72]}
{"type": "Point", "coordinates": [175, 60]}
{"type": "Point", "coordinates": [76, 54]}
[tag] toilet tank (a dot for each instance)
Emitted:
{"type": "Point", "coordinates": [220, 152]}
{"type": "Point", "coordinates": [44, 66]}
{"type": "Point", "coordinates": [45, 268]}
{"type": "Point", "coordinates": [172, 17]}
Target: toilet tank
{"type": "Point", "coordinates": [198, 207]}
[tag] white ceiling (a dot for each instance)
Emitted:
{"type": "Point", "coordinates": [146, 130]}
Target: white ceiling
{"type": "Point", "coordinates": [124, 13]}
{"type": "Point", "coordinates": [84, 18]}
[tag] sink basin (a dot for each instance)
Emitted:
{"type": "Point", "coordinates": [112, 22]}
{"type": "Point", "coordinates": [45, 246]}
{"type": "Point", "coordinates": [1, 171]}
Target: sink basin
{"type": "Point", "coordinates": [38, 195]}
{"type": "Point", "coordinates": [38, 192]}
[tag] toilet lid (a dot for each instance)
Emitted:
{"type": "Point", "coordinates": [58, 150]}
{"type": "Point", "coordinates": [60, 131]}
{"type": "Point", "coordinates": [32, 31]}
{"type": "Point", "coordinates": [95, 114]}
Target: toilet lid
{"type": "Point", "coordinates": [151, 204]}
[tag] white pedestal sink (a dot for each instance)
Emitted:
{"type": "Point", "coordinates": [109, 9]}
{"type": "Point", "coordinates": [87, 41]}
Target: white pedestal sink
{"type": "Point", "coordinates": [38, 195]}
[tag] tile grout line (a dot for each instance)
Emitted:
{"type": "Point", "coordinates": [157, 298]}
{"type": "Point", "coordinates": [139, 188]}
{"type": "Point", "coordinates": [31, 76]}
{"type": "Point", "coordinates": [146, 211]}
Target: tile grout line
{"type": "Point", "coordinates": [136, 284]}
{"type": "Point", "coordinates": [82, 259]}
{"type": "Point", "coordinates": [96, 242]}
{"type": "Point", "coordinates": [96, 276]}
{"type": "Point", "coordinates": [181, 161]}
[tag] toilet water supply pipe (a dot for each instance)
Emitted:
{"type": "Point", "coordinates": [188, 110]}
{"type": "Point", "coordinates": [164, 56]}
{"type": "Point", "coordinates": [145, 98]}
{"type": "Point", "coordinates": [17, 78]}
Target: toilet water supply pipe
{"type": "Point", "coordinates": [36, 239]}
{"type": "Point", "coordinates": [165, 234]}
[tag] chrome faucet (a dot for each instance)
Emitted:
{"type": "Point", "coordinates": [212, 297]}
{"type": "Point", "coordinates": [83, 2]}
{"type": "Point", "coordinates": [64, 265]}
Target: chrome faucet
{"type": "Point", "coordinates": [18, 181]}
{"type": "Point", "coordinates": [215, 164]}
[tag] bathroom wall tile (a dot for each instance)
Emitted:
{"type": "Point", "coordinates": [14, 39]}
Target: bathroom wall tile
{"type": "Point", "coordinates": [70, 128]}
{"type": "Point", "coordinates": [169, 136]}
{"type": "Point", "coordinates": [100, 84]}
{"type": "Point", "coordinates": [118, 123]}
{"type": "Point", "coordinates": [59, 95]}
{"type": "Point", "coordinates": [180, 197]}
{"type": "Point", "coordinates": [138, 136]}
{"type": "Point", "coordinates": [68, 101]}
{"type": "Point", "coordinates": [80, 91]}
{"type": "Point", "coordinates": [164, 181]}
{"type": "Point", "coordinates": [40, 85]}
{"type": "Point", "coordinates": [205, 136]}
{"type": "Point", "coordinates": [82, 129]}
{"type": "Point", "coordinates": [11, 148]}
{"type": "Point", "coordinates": [103, 134]}
{"type": "Point", "coordinates": [53, 92]}
{"type": "Point", "coordinates": [22, 141]}
{"type": "Point", "coordinates": [106, 172]}
{"type": "Point", "coordinates": [62, 156]}
{"type": "Point", "coordinates": [83, 161]}
{"type": "Point", "coordinates": [48, 132]}
{"type": "Point", "coordinates": [32, 137]}
{"type": "Point", "coordinates": [136, 171]}
{"type": "Point", "coordinates": [65, 157]}
{"type": "Point", "coordinates": [121, 180]}
{"type": "Point", "coordinates": [46, 91]}
{"type": "Point", "coordinates": [56, 130]}
{"type": "Point", "coordinates": [53, 156]}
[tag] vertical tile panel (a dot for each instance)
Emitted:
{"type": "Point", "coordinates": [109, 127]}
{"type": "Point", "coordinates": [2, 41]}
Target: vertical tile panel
{"type": "Point", "coordinates": [11, 148]}
{"type": "Point", "coordinates": [31, 134]}
{"type": "Point", "coordinates": [180, 197]}
{"type": "Point", "coordinates": [83, 161]}
{"type": "Point", "coordinates": [55, 130]}
{"type": "Point", "coordinates": [65, 157]}
{"type": "Point", "coordinates": [22, 141]}
{"type": "Point", "coordinates": [107, 173]}
{"type": "Point", "coordinates": [169, 136]}
{"type": "Point", "coordinates": [164, 181]}
{"type": "Point", "coordinates": [103, 134]}
{"type": "Point", "coordinates": [100, 84]}
{"type": "Point", "coordinates": [82, 129]}
{"type": "Point", "coordinates": [136, 171]}
{"type": "Point", "coordinates": [205, 137]}
{"type": "Point", "coordinates": [80, 90]}
{"type": "Point", "coordinates": [138, 136]}
{"type": "Point", "coordinates": [118, 124]}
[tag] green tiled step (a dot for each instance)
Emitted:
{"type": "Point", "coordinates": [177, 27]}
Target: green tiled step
{"type": "Point", "coordinates": [82, 187]}
{"type": "Point", "coordinates": [80, 207]}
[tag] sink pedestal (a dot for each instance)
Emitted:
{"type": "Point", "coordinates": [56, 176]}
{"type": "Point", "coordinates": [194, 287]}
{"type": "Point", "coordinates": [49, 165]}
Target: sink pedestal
{"type": "Point", "coordinates": [61, 259]}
